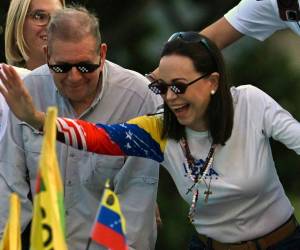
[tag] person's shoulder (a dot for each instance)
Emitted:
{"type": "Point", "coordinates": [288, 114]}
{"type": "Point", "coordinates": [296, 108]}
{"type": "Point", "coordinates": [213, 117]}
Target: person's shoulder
{"type": "Point", "coordinates": [257, 19]}
{"type": "Point", "coordinates": [248, 93]}
{"type": "Point", "coordinates": [245, 7]}
{"type": "Point", "coordinates": [115, 70]}
{"type": "Point", "coordinates": [22, 72]}
{"type": "Point", "coordinates": [151, 123]}
{"type": "Point", "coordinates": [42, 71]}
{"type": "Point", "coordinates": [39, 80]}
{"type": "Point", "coordinates": [147, 119]}
{"type": "Point", "coordinates": [129, 83]}
{"type": "Point", "coordinates": [247, 89]}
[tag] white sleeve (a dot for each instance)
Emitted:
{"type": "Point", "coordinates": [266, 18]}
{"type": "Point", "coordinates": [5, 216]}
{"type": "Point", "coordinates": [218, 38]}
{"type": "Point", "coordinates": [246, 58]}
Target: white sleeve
{"type": "Point", "coordinates": [3, 116]}
{"type": "Point", "coordinates": [22, 71]}
{"type": "Point", "coordinates": [13, 173]}
{"type": "Point", "coordinates": [257, 19]}
{"type": "Point", "coordinates": [275, 121]}
{"type": "Point", "coordinates": [3, 106]}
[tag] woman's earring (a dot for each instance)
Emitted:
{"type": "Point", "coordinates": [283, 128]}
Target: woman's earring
{"type": "Point", "coordinates": [212, 92]}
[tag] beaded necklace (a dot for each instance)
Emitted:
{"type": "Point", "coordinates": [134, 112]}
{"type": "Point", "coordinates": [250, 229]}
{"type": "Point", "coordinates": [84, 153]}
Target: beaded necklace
{"type": "Point", "coordinates": [196, 175]}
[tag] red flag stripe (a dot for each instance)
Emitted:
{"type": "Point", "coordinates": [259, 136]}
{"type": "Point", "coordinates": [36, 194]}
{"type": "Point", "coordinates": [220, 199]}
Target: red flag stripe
{"type": "Point", "coordinates": [109, 238]}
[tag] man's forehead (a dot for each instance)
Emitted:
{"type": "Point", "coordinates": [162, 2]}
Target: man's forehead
{"type": "Point", "coordinates": [86, 41]}
{"type": "Point", "coordinates": [85, 50]}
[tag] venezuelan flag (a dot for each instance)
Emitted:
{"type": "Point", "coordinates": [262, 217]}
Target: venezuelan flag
{"type": "Point", "coordinates": [109, 227]}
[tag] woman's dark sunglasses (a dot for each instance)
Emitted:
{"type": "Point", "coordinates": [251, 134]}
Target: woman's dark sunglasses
{"type": "Point", "coordinates": [192, 37]}
{"type": "Point", "coordinates": [81, 67]}
{"type": "Point", "coordinates": [160, 87]}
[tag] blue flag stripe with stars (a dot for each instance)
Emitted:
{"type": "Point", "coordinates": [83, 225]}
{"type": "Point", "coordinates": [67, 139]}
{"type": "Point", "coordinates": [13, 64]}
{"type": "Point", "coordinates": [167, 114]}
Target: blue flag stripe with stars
{"type": "Point", "coordinates": [134, 141]}
{"type": "Point", "coordinates": [110, 219]}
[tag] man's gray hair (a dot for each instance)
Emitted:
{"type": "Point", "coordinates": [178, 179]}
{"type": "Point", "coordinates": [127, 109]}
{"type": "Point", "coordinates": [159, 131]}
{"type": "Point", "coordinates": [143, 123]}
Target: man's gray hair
{"type": "Point", "coordinates": [73, 23]}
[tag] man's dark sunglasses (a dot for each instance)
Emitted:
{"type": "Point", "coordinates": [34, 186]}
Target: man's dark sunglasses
{"type": "Point", "coordinates": [160, 87]}
{"type": "Point", "coordinates": [81, 67]}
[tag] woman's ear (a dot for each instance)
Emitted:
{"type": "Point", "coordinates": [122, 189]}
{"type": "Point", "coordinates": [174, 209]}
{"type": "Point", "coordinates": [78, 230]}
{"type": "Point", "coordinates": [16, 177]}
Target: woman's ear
{"type": "Point", "coordinates": [214, 82]}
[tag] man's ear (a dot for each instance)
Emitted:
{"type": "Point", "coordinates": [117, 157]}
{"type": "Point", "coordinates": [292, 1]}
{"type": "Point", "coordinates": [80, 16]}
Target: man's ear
{"type": "Point", "coordinates": [103, 50]}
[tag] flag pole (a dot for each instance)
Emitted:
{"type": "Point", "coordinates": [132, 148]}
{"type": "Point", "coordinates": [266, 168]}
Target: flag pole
{"type": "Point", "coordinates": [88, 244]}
{"type": "Point", "coordinates": [107, 185]}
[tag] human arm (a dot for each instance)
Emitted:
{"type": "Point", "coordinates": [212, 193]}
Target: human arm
{"type": "Point", "coordinates": [257, 19]}
{"type": "Point", "coordinates": [281, 125]}
{"type": "Point", "coordinates": [139, 137]}
{"type": "Point", "coordinates": [222, 33]}
{"type": "Point", "coordinates": [271, 120]}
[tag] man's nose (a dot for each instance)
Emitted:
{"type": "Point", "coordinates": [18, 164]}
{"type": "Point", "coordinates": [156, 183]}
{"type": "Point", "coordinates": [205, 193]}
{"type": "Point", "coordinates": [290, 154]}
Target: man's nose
{"type": "Point", "coordinates": [74, 74]}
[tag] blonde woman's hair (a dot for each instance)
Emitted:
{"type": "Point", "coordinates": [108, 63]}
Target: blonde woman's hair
{"type": "Point", "coordinates": [15, 45]}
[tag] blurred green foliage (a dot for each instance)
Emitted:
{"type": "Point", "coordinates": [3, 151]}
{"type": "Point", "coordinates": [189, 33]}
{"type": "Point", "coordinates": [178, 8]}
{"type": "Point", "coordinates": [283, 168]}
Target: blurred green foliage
{"type": "Point", "coordinates": [296, 203]}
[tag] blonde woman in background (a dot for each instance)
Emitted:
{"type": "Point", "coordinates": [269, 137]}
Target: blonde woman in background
{"type": "Point", "coordinates": [25, 36]}
{"type": "Point", "coordinates": [25, 33]}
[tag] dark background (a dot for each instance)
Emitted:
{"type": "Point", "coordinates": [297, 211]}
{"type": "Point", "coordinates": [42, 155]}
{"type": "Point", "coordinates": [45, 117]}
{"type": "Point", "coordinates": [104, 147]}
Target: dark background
{"type": "Point", "coordinates": [135, 32]}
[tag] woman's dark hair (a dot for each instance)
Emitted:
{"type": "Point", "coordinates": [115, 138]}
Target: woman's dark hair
{"type": "Point", "coordinates": [206, 58]}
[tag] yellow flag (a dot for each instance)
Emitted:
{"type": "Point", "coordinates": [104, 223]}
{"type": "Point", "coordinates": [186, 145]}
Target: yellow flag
{"type": "Point", "coordinates": [48, 224]}
{"type": "Point", "coordinates": [12, 233]}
